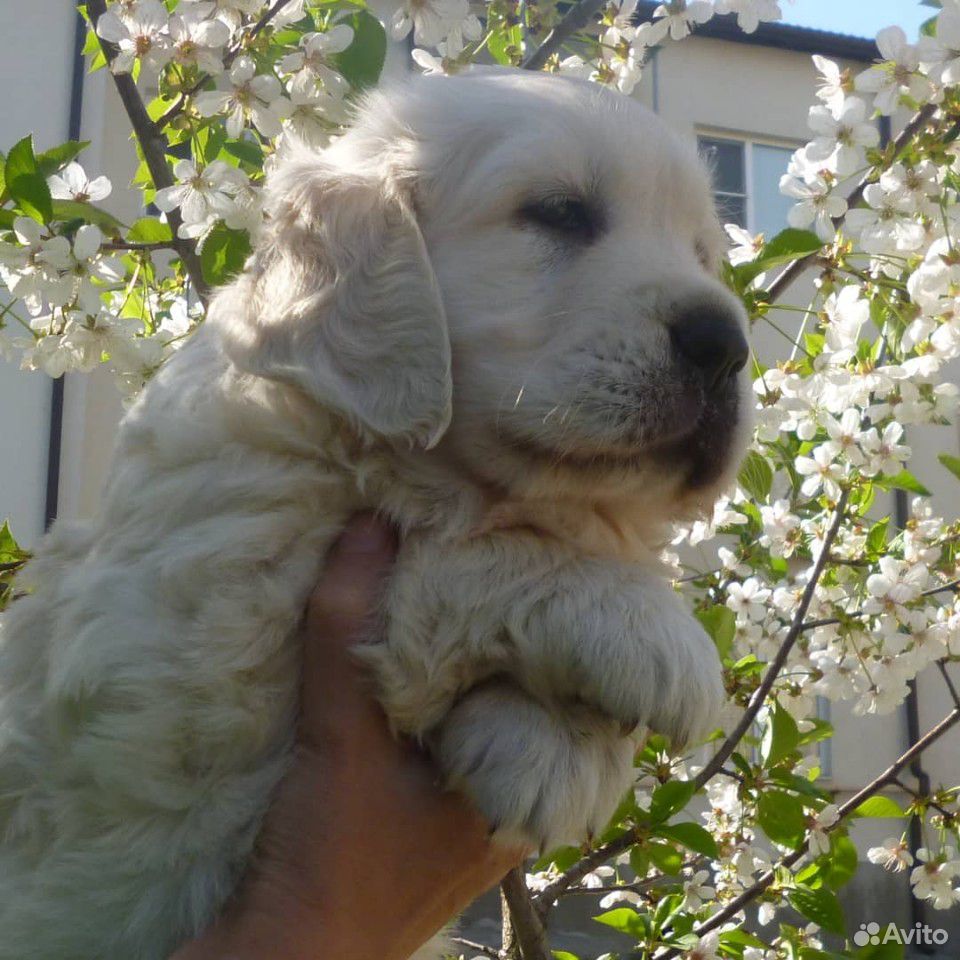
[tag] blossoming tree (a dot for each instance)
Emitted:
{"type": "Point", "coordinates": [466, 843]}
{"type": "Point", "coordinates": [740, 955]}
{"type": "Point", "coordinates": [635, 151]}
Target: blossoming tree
{"type": "Point", "coordinates": [813, 590]}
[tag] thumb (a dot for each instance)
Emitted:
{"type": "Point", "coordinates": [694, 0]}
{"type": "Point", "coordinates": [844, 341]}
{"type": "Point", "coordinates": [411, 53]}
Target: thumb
{"type": "Point", "coordinates": [344, 611]}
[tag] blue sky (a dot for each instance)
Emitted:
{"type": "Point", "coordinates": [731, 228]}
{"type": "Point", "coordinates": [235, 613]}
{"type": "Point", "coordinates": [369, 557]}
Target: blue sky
{"type": "Point", "coordinates": [862, 18]}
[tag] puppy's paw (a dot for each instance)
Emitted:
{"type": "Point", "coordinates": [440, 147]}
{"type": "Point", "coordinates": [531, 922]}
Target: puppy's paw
{"type": "Point", "coordinates": [542, 777]}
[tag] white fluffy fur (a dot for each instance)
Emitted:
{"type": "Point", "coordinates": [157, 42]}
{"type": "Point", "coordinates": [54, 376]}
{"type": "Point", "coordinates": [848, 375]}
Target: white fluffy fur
{"type": "Point", "coordinates": [404, 340]}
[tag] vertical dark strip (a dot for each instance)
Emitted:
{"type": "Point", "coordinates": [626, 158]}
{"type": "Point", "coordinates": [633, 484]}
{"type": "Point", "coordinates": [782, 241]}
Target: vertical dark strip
{"type": "Point", "coordinates": [55, 444]}
{"type": "Point", "coordinates": [911, 706]}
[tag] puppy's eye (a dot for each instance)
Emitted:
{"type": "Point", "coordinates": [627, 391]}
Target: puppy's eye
{"type": "Point", "coordinates": [564, 215]}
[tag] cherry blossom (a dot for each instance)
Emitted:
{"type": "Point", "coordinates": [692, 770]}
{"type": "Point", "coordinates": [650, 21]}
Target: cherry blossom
{"type": "Point", "coordinates": [73, 184]}
{"type": "Point", "coordinates": [843, 135]}
{"type": "Point", "coordinates": [252, 97]}
{"type": "Point", "coordinates": [893, 855]}
{"type": "Point", "coordinates": [140, 33]}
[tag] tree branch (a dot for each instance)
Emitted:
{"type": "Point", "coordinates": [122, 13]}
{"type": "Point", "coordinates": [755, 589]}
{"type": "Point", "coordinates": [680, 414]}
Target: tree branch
{"type": "Point", "coordinates": [154, 149]}
{"type": "Point", "coordinates": [128, 245]}
{"type": "Point", "coordinates": [575, 20]}
{"type": "Point", "coordinates": [715, 764]}
{"type": "Point", "coordinates": [528, 927]}
{"type": "Point", "coordinates": [875, 786]}
{"type": "Point", "coordinates": [478, 947]}
{"type": "Point", "coordinates": [798, 267]}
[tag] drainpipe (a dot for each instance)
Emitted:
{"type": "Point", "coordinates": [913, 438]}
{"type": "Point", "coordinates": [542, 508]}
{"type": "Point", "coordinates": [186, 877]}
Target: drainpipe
{"type": "Point", "coordinates": [911, 706]}
{"type": "Point", "coordinates": [55, 442]}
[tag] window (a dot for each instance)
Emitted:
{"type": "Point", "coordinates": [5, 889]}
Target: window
{"type": "Point", "coordinates": [747, 182]}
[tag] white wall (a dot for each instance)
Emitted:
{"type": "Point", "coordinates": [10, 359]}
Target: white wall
{"type": "Point", "coordinates": [36, 51]}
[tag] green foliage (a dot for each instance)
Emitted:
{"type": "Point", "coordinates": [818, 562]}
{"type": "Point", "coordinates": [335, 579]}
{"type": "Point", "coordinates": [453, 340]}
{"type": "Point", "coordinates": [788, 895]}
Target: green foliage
{"type": "Point", "coordinates": [362, 62]}
{"type": "Point", "coordinates": [223, 254]}
{"type": "Point", "coordinates": [12, 558]}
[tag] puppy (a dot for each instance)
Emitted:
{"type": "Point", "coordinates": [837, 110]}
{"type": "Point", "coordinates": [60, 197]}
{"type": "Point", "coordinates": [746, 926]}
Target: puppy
{"type": "Point", "coordinates": [490, 312]}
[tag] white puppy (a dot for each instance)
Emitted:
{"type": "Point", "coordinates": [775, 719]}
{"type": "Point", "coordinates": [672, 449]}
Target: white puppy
{"type": "Point", "coordinates": [490, 312]}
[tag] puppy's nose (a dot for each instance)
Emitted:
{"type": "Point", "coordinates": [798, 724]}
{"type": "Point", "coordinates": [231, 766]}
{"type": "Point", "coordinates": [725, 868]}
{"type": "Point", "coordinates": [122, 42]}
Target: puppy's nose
{"type": "Point", "coordinates": [712, 341]}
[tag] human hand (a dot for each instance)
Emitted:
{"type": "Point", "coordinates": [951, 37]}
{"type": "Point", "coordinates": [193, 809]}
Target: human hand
{"type": "Point", "coordinates": [362, 855]}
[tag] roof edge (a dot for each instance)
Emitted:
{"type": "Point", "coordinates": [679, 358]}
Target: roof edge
{"type": "Point", "coordinates": [778, 35]}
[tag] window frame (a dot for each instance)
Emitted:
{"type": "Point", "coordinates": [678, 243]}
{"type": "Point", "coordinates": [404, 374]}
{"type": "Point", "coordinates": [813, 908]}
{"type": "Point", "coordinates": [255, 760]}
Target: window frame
{"type": "Point", "coordinates": [747, 141]}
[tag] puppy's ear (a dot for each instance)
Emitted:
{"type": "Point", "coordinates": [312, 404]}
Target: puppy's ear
{"type": "Point", "coordinates": [340, 300]}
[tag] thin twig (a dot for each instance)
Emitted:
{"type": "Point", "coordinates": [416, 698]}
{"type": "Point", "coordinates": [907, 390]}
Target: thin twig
{"type": "Point", "coordinates": [875, 786]}
{"type": "Point", "coordinates": [154, 148]}
{"type": "Point", "coordinates": [799, 267]}
{"type": "Point", "coordinates": [137, 245]}
{"type": "Point", "coordinates": [715, 765]}
{"type": "Point", "coordinates": [478, 947]}
{"type": "Point", "coordinates": [528, 926]}
{"type": "Point", "coordinates": [952, 587]}
{"type": "Point", "coordinates": [926, 801]}
{"type": "Point", "coordinates": [231, 55]}
{"type": "Point", "coordinates": [575, 20]}
{"type": "Point", "coordinates": [948, 680]}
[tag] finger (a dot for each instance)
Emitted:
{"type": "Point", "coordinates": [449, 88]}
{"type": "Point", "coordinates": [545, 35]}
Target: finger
{"type": "Point", "coordinates": [344, 611]}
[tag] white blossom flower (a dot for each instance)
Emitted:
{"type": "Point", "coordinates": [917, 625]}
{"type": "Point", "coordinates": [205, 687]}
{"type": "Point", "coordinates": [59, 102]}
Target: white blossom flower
{"type": "Point", "coordinates": [940, 55]}
{"type": "Point", "coordinates": [897, 75]}
{"type": "Point", "coordinates": [677, 18]}
{"type": "Point", "coordinates": [432, 21]}
{"type": "Point", "coordinates": [748, 599]}
{"type": "Point", "coordinates": [32, 268]}
{"type": "Point", "coordinates": [845, 314]}
{"type": "Point", "coordinates": [706, 948]}
{"type": "Point", "coordinates": [884, 453]}
{"type": "Point", "coordinates": [746, 247]}
{"type": "Point", "coordinates": [894, 855]}
{"type": "Point", "coordinates": [750, 13]}
{"type": "Point", "coordinates": [310, 64]}
{"type": "Point", "coordinates": [818, 205]}
{"type": "Point", "coordinates": [197, 41]}
{"type": "Point", "coordinates": [834, 84]}
{"type": "Point", "coordinates": [140, 33]}
{"type": "Point", "coordinates": [820, 470]}
{"type": "Point", "coordinates": [230, 12]}
{"type": "Point", "coordinates": [842, 136]}
{"type": "Point", "coordinates": [883, 226]}
{"type": "Point", "coordinates": [933, 879]}
{"type": "Point", "coordinates": [203, 195]}
{"type": "Point", "coordinates": [896, 585]}
{"type": "Point", "coordinates": [697, 892]}
{"type": "Point", "coordinates": [73, 184]}
{"type": "Point", "coordinates": [819, 824]}
{"type": "Point", "coordinates": [252, 97]}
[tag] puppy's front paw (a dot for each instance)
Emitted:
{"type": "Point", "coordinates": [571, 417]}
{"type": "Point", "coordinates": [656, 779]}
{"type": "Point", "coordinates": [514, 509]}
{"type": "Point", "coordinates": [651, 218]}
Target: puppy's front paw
{"type": "Point", "coordinates": [541, 777]}
{"type": "Point", "coordinates": [634, 651]}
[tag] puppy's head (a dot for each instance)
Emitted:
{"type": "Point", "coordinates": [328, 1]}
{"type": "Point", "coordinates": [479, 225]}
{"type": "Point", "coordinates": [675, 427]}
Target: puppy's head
{"type": "Point", "coordinates": [520, 269]}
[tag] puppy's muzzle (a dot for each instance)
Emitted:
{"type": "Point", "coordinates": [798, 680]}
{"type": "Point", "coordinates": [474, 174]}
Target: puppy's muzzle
{"type": "Point", "coordinates": [709, 339]}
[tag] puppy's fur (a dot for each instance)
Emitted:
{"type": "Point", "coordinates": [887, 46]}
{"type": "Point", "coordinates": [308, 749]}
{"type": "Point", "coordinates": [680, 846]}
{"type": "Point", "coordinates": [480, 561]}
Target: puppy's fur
{"type": "Point", "coordinates": [416, 335]}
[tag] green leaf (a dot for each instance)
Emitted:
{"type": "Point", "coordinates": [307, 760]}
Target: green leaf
{"type": "Point", "coordinates": [739, 937]}
{"type": "Point", "coordinates": [789, 245]}
{"type": "Point", "coordinates": [32, 195]}
{"type": "Point", "coordinates": [840, 866]}
{"type": "Point", "coordinates": [625, 920]}
{"type": "Point", "coordinates": [951, 463]}
{"type": "Point", "coordinates": [667, 858]}
{"type": "Point", "coordinates": [877, 538]}
{"type": "Point", "coordinates": [756, 476]}
{"type": "Point", "coordinates": [878, 806]}
{"type": "Point", "coordinates": [563, 955]}
{"type": "Point", "coordinates": [669, 798]}
{"type": "Point", "coordinates": [721, 623]}
{"type": "Point", "coordinates": [780, 737]}
{"type": "Point", "coordinates": [10, 550]}
{"type": "Point", "coordinates": [149, 230]}
{"type": "Point", "coordinates": [20, 160]}
{"type": "Point", "coordinates": [821, 906]}
{"type": "Point", "coordinates": [50, 161]}
{"type": "Point", "coordinates": [74, 210]}
{"type": "Point", "coordinates": [6, 219]}
{"type": "Point", "coordinates": [223, 254]}
{"type": "Point", "coordinates": [362, 62]}
{"type": "Point", "coordinates": [881, 951]}
{"type": "Point", "coordinates": [781, 817]}
{"type": "Point", "coordinates": [245, 150]}
{"type": "Point", "coordinates": [904, 480]}
{"type": "Point", "coordinates": [693, 837]}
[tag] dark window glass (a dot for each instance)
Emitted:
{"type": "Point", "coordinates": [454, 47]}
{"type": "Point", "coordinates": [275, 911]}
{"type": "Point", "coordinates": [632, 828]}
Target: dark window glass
{"type": "Point", "coordinates": [726, 159]}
